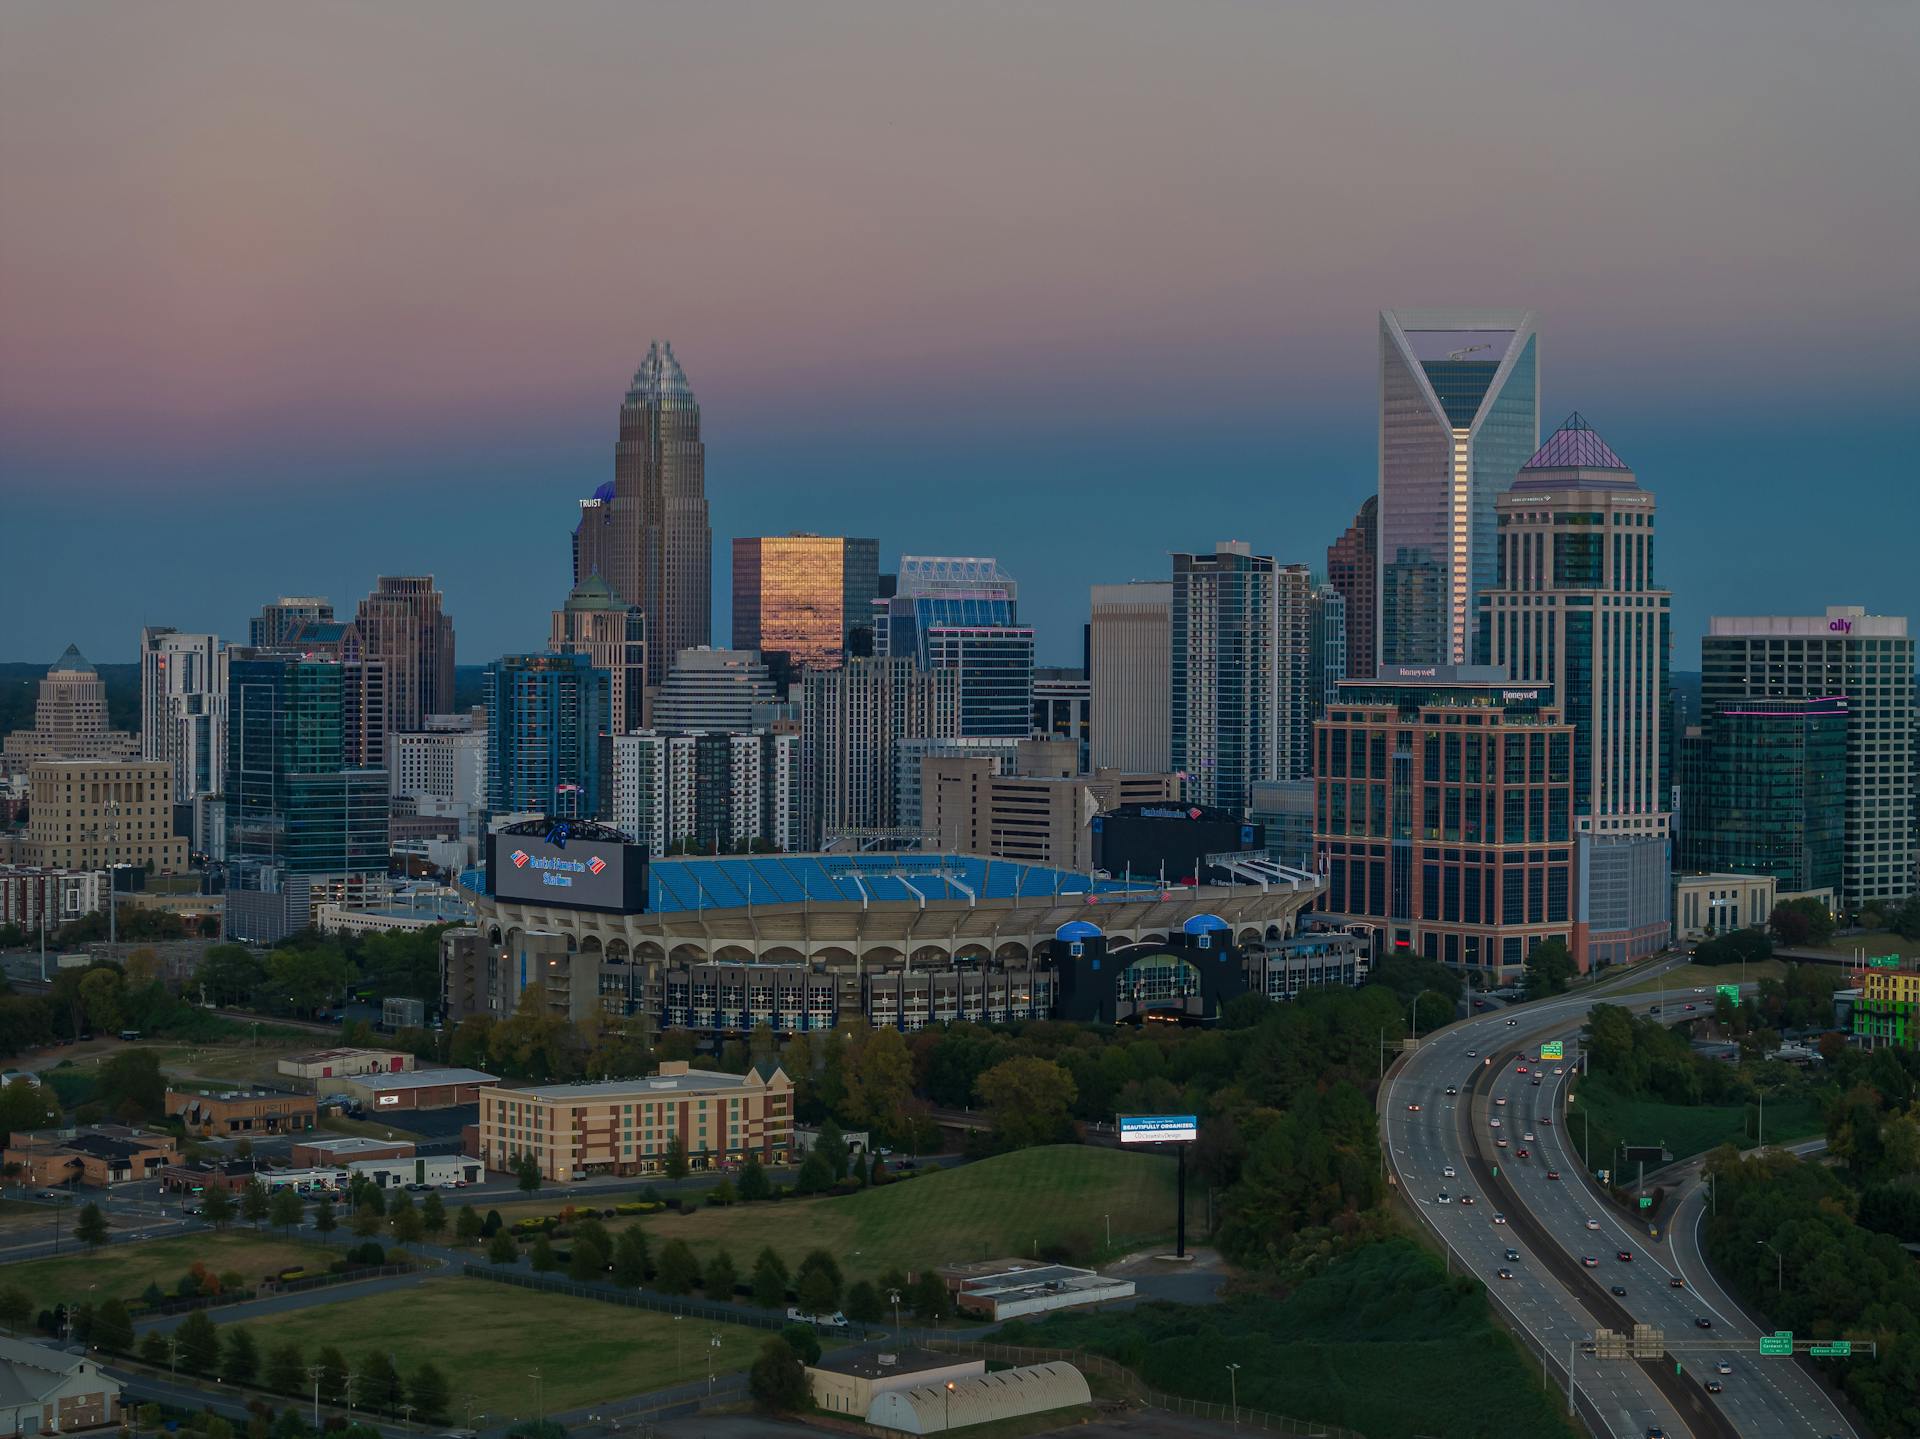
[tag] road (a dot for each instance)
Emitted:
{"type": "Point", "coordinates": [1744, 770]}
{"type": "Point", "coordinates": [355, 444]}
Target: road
{"type": "Point", "coordinates": [1553, 1296]}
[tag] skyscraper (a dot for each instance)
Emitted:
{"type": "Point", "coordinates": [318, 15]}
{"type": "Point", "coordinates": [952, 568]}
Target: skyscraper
{"type": "Point", "coordinates": [1459, 415]}
{"type": "Point", "coordinates": [271, 628]}
{"type": "Point", "coordinates": [593, 622]}
{"type": "Point", "coordinates": [365, 686]}
{"type": "Point", "coordinates": [709, 689]}
{"type": "Point", "coordinates": [960, 613]}
{"type": "Point", "coordinates": [69, 719]}
{"type": "Point", "coordinates": [1763, 790]}
{"type": "Point", "coordinates": [1129, 657]}
{"type": "Point", "coordinates": [853, 719]}
{"type": "Point", "coordinates": [647, 533]}
{"type": "Point", "coordinates": [710, 792]}
{"type": "Point", "coordinates": [1574, 607]}
{"type": "Point", "coordinates": [1353, 568]}
{"type": "Point", "coordinates": [1867, 660]}
{"type": "Point", "coordinates": [294, 803]}
{"type": "Point", "coordinates": [1301, 686]}
{"type": "Point", "coordinates": [1224, 683]}
{"type": "Point", "coordinates": [545, 714]}
{"type": "Point", "coordinates": [1327, 665]}
{"type": "Point", "coordinates": [803, 595]}
{"type": "Point", "coordinates": [402, 622]}
{"type": "Point", "coordinates": [183, 708]}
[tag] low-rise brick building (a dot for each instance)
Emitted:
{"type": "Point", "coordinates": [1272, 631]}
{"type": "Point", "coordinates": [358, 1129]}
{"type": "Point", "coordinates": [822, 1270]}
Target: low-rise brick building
{"type": "Point", "coordinates": [243, 1111]}
{"type": "Point", "coordinates": [99, 1156]}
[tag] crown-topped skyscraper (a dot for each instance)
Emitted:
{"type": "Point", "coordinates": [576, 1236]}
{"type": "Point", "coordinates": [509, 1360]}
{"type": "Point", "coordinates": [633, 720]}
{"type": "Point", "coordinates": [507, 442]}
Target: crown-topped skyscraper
{"type": "Point", "coordinates": [647, 534]}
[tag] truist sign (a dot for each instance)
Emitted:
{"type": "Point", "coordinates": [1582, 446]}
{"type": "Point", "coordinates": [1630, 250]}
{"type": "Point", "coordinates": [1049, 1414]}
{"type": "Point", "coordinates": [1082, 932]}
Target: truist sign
{"type": "Point", "coordinates": [1841, 626]}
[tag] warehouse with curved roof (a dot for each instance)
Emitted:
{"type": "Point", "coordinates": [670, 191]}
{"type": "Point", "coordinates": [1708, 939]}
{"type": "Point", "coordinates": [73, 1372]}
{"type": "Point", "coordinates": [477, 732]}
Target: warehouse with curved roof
{"type": "Point", "coordinates": [1004, 1394]}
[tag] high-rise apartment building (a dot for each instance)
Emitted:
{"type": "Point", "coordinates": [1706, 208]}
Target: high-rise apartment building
{"type": "Point", "coordinates": [273, 627]}
{"type": "Point", "coordinates": [1224, 685]}
{"type": "Point", "coordinates": [441, 771]}
{"type": "Point", "coordinates": [69, 719]}
{"type": "Point", "coordinates": [1763, 790]}
{"type": "Point", "coordinates": [1353, 568]}
{"type": "Point", "coordinates": [294, 803]}
{"type": "Point", "coordinates": [1459, 415]}
{"type": "Point", "coordinates": [647, 533]}
{"type": "Point", "coordinates": [1129, 658]}
{"type": "Point", "coordinates": [853, 718]}
{"type": "Point", "coordinates": [183, 708]}
{"type": "Point", "coordinates": [707, 793]}
{"type": "Point", "coordinates": [595, 623]}
{"type": "Point", "coordinates": [711, 689]}
{"type": "Point", "coordinates": [1444, 814]}
{"type": "Point", "coordinates": [403, 624]}
{"type": "Point", "coordinates": [545, 716]}
{"type": "Point", "coordinates": [97, 814]}
{"type": "Point", "coordinates": [1327, 660]}
{"type": "Point", "coordinates": [1574, 608]}
{"type": "Point", "coordinates": [803, 595]}
{"type": "Point", "coordinates": [960, 613]}
{"type": "Point", "coordinates": [1866, 660]}
{"type": "Point", "coordinates": [1298, 670]}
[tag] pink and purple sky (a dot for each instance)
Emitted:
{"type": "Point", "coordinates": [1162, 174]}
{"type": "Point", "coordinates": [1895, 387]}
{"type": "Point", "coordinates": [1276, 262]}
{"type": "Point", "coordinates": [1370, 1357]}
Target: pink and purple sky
{"type": "Point", "coordinates": [295, 295]}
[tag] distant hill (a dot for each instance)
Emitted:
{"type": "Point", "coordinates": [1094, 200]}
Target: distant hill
{"type": "Point", "coordinates": [20, 688]}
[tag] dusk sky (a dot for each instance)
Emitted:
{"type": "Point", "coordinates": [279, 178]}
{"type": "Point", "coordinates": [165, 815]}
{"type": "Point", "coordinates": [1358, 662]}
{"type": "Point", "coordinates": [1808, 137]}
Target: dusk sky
{"type": "Point", "coordinates": [291, 296]}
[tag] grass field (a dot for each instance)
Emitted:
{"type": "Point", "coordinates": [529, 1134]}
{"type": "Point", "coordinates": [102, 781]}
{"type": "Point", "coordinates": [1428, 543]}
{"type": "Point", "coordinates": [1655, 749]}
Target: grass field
{"type": "Point", "coordinates": [1878, 942]}
{"type": "Point", "coordinates": [488, 1339]}
{"type": "Point", "coordinates": [124, 1271]}
{"type": "Point", "coordinates": [1685, 1129]}
{"type": "Point", "coordinates": [1705, 976]}
{"type": "Point", "coordinates": [1006, 1206]}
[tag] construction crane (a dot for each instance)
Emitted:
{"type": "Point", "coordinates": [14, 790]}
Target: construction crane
{"type": "Point", "coordinates": [1462, 354]}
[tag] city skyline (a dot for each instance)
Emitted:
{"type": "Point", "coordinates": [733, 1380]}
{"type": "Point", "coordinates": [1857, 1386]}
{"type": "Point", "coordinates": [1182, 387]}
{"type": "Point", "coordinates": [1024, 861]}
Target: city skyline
{"type": "Point", "coordinates": [1744, 350]}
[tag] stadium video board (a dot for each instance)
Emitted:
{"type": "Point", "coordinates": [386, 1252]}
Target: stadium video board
{"type": "Point", "coordinates": [1159, 1128]}
{"type": "Point", "coordinates": [583, 874]}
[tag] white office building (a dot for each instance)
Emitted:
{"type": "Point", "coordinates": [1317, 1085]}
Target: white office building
{"type": "Point", "coordinates": [183, 708]}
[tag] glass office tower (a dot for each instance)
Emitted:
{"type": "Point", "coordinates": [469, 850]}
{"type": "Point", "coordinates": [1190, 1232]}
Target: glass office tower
{"type": "Point", "coordinates": [1459, 416]}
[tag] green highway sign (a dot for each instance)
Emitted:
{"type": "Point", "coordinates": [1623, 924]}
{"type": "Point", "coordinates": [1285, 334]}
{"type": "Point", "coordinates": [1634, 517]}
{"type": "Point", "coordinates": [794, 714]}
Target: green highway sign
{"type": "Point", "coordinates": [1839, 1349]}
{"type": "Point", "coordinates": [1646, 1201]}
{"type": "Point", "coordinates": [1553, 1049]}
{"type": "Point", "coordinates": [1778, 1342]}
{"type": "Point", "coordinates": [1884, 961]}
{"type": "Point", "coordinates": [1731, 991]}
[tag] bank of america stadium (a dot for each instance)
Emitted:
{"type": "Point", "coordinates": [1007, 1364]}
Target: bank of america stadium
{"type": "Point", "coordinates": [801, 941]}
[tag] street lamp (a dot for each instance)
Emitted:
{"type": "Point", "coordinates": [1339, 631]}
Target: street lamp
{"type": "Point", "coordinates": [1233, 1388]}
{"type": "Point", "coordinates": [894, 1295]}
{"type": "Point", "coordinates": [949, 1423]}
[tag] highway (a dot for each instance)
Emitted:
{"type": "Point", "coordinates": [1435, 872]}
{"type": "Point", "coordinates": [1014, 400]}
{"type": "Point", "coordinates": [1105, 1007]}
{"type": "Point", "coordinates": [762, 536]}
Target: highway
{"type": "Point", "coordinates": [1552, 1295]}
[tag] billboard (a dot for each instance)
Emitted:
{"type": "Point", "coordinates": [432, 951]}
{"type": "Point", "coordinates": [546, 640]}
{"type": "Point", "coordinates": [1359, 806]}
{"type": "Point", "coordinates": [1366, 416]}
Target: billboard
{"type": "Point", "coordinates": [582, 874]}
{"type": "Point", "coordinates": [1159, 1128]}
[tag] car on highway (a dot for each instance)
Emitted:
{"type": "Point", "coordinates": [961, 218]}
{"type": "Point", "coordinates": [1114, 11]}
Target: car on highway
{"type": "Point", "coordinates": [1520, 1069]}
{"type": "Point", "coordinates": [1700, 1321]}
{"type": "Point", "coordinates": [1528, 1136]}
{"type": "Point", "coordinates": [1720, 1366]}
{"type": "Point", "coordinates": [1501, 1101]}
{"type": "Point", "coordinates": [1448, 1173]}
{"type": "Point", "coordinates": [1654, 1431]}
{"type": "Point", "coordinates": [1413, 1109]}
{"type": "Point", "coordinates": [1499, 1144]}
{"type": "Point", "coordinates": [1506, 1274]}
{"type": "Point", "coordinates": [1593, 1224]}
{"type": "Point", "coordinates": [1511, 1023]}
{"type": "Point", "coordinates": [1625, 1256]}
{"type": "Point", "coordinates": [1523, 1153]}
{"type": "Point", "coordinates": [1536, 1081]}
{"type": "Point", "coordinates": [1499, 1219]}
{"type": "Point", "coordinates": [1452, 1089]}
{"type": "Point", "coordinates": [1676, 1283]}
{"type": "Point", "coordinates": [1473, 1054]}
{"type": "Point", "coordinates": [1553, 1174]}
{"type": "Point", "coordinates": [1558, 1069]}
{"type": "Point", "coordinates": [1619, 1291]}
{"type": "Point", "coordinates": [1691, 1008]}
{"type": "Point", "coordinates": [1589, 1261]}
{"type": "Point", "coordinates": [1714, 1386]}
{"type": "Point", "coordinates": [1493, 1124]}
{"type": "Point", "coordinates": [1466, 1199]}
{"type": "Point", "coordinates": [1546, 1119]}
{"type": "Point", "coordinates": [1513, 1254]}
{"type": "Point", "coordinates": [1443, 1197]}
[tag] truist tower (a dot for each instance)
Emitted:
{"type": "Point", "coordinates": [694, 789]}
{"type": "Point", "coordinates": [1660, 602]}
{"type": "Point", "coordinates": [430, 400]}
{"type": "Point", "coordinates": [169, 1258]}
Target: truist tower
{"type": "Point", "coordinates": [647, 533]}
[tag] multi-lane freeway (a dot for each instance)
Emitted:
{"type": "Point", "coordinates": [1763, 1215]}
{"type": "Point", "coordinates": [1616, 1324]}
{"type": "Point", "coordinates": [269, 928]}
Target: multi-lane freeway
{"type": "Point", "coordinates": [1530, 1230]}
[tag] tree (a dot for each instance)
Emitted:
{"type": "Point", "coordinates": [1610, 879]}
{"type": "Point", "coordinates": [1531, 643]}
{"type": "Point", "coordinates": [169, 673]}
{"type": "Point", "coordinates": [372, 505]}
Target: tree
{"type": "Point", "coordinates": [240, 1363]}
{"type": "Point", "coordinates": [16, 1310]}
{"type": "Point", "coordinates": [863, 1303]}
{"type": "Point", "coordinates": [879, 1083]}
{"type": "Point", "coordinates": [802, 1341]}
{"type": "Point", "coordinates": [678, 1271]}
{"type": "Point", "coordinates": [832, 1147]}
{"type": "Point", "coordinates": [155, 1350]}
{"type": "Point", "coordinates": [1549, 969]}
{"type": "Point", "coordinates": [333, 1373]}
{"type": "Point", "coordinates": [112, 1328]}
{"type": "Point", "coordinates": [433, 1214]}
{"type": "Point", "coordinates": [720, 1277]}
{"type": "Point", "coordinates": [286, 1209]}
{"type": "Point", "coordinates": [527, 1168]}
{"type": "Point", "coordinates": [467, 1225]}
{"type": "Point", "coordinates": [90, 1226]}
{"type": "Point", "coordinates": [323, 1221]}
{"type": "Point", "coordinates": [1798, 922]}
{"type": "Point", "coordinates": [132, 1087]}
{"type": "Point", "coordinates": [769, 1279]}
{"type": "Point", "coordinates": [817, 1291]}
{"type": "Point", "coordinates": [501, 1249]}
{"type": "Point", "coordinates": [429, 1393]}
{"type": "Point", "coordinates": [254, 1203]}
{"type": "Point", "coordinates": [542, 1256]}
{"type": "Point", "coordinates": [197, 1343]}
{"type": "Point", "coordinates": [677, 1165]}
{"type": "Point", "coordinates": [286, 1371]}
{"type": "Point", "coordinates": [932, 1301]}
{"type": "Point", "coordinates": [815, 1176]}
{"type": "Point", "coordinates": [406, 1220]}
{"type": "Point", "coordinates": [377, 1382]}
{"type": "Point", "coordinates": [26, 1104]}
{"type": "Point", "coordinates": [754, 1183]}
{"type": "Point", "coordinates": [1029, 1101]}
{"type": "Point", "coordinates": [778, 1380]}
{"type": "Point", "coordinates": [228, 974]}
{"type": "Point", "coordinates": [632, 1262]}
{"type": "Point", "coordinates": [367, 1219]}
